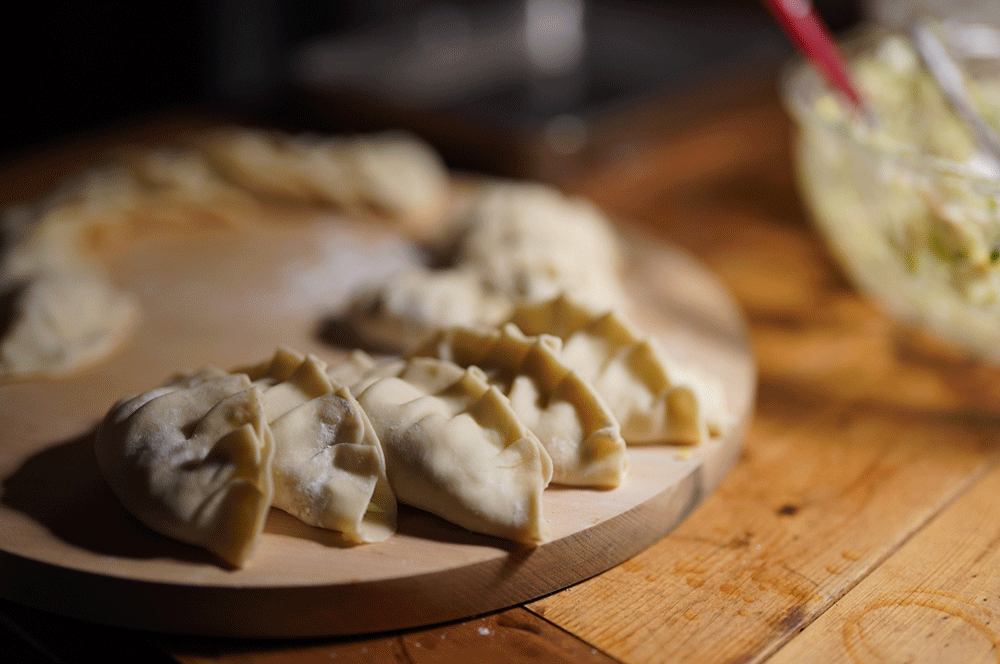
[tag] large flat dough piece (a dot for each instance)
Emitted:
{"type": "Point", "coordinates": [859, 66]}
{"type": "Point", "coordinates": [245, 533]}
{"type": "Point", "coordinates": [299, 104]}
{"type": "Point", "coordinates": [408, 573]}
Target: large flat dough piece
{"type": "Point", "coordinates": [67, 545]}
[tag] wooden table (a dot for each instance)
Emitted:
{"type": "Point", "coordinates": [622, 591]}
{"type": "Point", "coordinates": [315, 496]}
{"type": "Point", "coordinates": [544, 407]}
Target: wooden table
{"type": "Point", "coordinates": [859, 525]}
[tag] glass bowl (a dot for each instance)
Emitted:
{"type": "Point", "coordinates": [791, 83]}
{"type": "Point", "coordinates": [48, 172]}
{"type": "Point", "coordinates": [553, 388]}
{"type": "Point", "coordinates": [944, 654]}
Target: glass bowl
{"type": "Point", "coordinates": [917, 231]}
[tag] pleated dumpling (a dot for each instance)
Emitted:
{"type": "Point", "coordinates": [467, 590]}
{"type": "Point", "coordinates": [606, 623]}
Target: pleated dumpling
{"type": "Point", "coordinates": [654, 400]}
{"type": "Point", "coordinates": [287, 380]}
{"type": "Point", "coordinates": [329, 470]}
{"type": "Point", "coordinates": [454, 447]}
{"type": "Point", "coordinates": [568, 416]}
{"type": "Point", "coordinates": [192, 460]}
{"type": "Point", "coordinates": [349, 370]}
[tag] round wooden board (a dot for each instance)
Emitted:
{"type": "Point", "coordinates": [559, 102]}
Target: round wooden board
{"type": "Point", "coordinates": [229, 297]}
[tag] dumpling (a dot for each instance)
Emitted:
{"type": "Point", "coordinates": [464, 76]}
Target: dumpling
{"type": "Point", "coordinates": [531, 242]}
{"type": "Point", "coordinates": [350, 369]}
{"type": "Point", "coordinates": [192, 460]}
{"type": "Point", "coordinates": [654, 400]}
{"type": "Point", "coordinates": [329, 470]}
{"type": "Point", "coordinates": [414, 303]}
{"type": "Point", "coordinates": [400, 176]}
{"type": "Point", "coordinates": [69, 313]}
{"type": "Point", "coordinates": [287, 380]}
{"type": "Point", "coordinates": [394, 174]}
{"type": "Point", "coordinates": [517, 242]}
{"type": "Point", "coordinates": [137, 194]}
{"type": "Point", "coordinates": [454, 447]}
{"type": "Point", "coordinates": [279, 166]}
{"type": "Point", "coordinates": [55, 322]}
{"type": "Point", "coordinates": [569, 418]}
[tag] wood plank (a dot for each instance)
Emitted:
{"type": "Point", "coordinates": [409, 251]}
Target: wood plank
{"type": "Point", "coordinates": [811, 508]}
{"type": "Point", "coordinates": [511, 636]}
{"type": "Point", "coordinates": [935, 600]}
{"type": "Point", "coordinates": [515, 635]}
{"type": "Point", "coordinates": [863, 432]}
{"type": "Point", "coordinates": [31, 636]}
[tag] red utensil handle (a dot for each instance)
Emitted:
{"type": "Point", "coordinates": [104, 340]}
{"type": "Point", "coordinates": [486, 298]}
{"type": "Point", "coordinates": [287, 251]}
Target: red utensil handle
{"type": "Point", "coordinates": [800, 22]}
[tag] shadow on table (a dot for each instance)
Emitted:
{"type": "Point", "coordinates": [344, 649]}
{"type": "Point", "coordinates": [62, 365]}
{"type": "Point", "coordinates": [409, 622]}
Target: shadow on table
{"type": "Point", "coordinates": [62, 489]}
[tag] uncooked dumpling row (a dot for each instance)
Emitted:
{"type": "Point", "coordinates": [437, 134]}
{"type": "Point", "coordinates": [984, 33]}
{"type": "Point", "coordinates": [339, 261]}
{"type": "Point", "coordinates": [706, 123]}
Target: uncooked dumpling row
{"type": "Point", "coordinates": [393, 174]}
{"type": "Point", "coordinates": [204, 457]}
{"type": "Point", "coordinates": [213, 180]}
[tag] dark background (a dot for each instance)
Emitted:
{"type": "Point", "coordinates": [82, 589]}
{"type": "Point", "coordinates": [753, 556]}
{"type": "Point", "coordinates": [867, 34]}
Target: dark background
{"type": "Point", "coordinates": [88, 65]}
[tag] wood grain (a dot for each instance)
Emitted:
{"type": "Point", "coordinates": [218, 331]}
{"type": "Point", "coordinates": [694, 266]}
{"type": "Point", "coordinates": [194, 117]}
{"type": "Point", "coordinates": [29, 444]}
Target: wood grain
{"type": "Point", "coordinates": [229, 297]}
{"type": "Point", "coordinates": [511, 636]}
{"type": "Point", "coordinates": [863, 432]}
{"type": "Point", "coordinates": [934, 600]}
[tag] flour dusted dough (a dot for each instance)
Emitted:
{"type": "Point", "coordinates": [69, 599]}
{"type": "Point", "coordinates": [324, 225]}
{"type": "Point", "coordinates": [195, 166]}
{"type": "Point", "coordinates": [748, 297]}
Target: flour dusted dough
{"type": "Point", "coordinates": [329, 470]}
{"type": "Point", "coordinates": [455, 448]}
{"type": "Point", "coordinates": [192, 460]}
{"type": "Point", "coordinates": [568, 416]}
{"type": "Point", "coordinates": [654, 399]}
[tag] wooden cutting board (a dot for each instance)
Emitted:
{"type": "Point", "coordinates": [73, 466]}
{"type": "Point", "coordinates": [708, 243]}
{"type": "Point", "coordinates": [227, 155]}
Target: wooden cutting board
{"type": "Point", "coordinates": [228, 297]}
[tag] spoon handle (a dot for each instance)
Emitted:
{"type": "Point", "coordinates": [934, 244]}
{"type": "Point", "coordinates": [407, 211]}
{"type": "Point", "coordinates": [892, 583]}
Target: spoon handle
{"type": "Point", "coordinates": [950, 80]}
{"type": "Point", "coordinates": [804, 27]}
